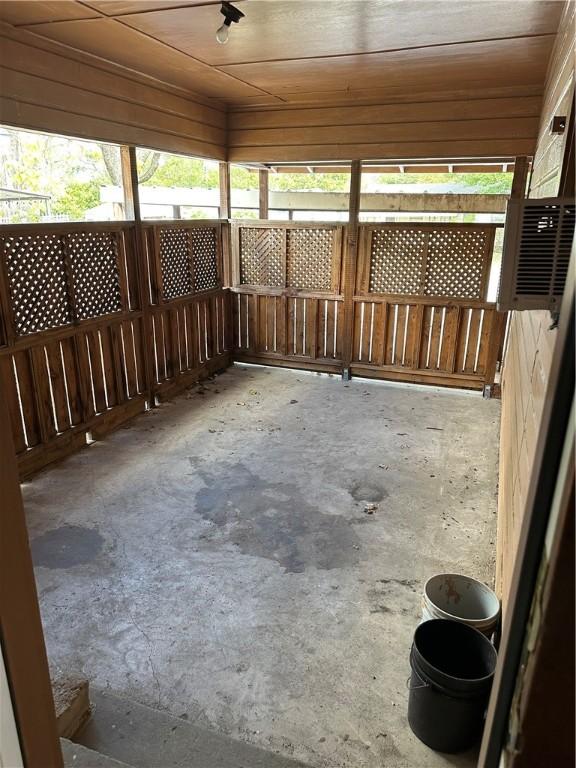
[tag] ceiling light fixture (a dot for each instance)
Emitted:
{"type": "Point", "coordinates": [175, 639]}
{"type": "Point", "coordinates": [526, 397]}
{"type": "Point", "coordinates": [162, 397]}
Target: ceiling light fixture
{"type": "Point", "coordinates": [230, 14]}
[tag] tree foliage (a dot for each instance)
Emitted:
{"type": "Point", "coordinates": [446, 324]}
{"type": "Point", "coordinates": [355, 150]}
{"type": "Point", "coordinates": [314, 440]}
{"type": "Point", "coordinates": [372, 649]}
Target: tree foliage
{"type": "Point", "coordinates": [482, 183]}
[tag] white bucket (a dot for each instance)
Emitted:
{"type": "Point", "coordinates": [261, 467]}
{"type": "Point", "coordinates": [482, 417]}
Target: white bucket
{"type": "Point", "coordinates": [452, 596]}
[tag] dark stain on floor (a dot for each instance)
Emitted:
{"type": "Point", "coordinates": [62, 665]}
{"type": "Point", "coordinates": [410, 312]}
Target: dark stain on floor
{"type": "Point", "coordinates": [66, 547]}
{"type": "Point", "coordinates": [366, 491]}
{"type": "Point", "coordinates": [274, 521]}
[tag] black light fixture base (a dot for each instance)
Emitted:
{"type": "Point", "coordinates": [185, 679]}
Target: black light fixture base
{"type": "Point", "coordinates": [230, 13]}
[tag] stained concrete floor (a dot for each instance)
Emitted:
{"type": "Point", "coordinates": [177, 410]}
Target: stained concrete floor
{"type": "Point", "coordinates": [215, 559]}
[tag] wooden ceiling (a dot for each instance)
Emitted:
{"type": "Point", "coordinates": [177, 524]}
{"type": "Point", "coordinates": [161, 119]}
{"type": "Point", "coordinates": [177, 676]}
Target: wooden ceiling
{"type": "Point", "coordinates": [294, 52]}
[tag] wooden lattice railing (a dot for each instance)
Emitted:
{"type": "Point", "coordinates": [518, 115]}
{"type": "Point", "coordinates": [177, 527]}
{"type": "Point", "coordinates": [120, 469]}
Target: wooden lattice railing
{"type": "Point", "coordinates": [418, 303]}
{"type": "Point", "coordinates": [94, 328]}
{"type": "Point", "coordinates": [99, 321]}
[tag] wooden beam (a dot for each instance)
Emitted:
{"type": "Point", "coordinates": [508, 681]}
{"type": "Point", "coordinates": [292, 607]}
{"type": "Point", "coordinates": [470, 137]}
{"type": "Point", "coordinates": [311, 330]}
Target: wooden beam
{"type": "Point", "coordinates": [350, 259]}
{"type": "Point", "coordinates": [224, 171]}
{"type": "Point", "coordinates": [520, 178]}
{"type": "Point", "coordinates": [23, 645]}
{"type": "Point", "coordinates": [263, 193]}
{"type": "Point", "coordinates": [128, 162]}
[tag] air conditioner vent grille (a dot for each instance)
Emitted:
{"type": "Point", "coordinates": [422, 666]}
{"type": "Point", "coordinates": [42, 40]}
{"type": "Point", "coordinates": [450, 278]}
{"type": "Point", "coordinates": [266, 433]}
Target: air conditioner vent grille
{"type": "Point", "coordinates": [537, 245]}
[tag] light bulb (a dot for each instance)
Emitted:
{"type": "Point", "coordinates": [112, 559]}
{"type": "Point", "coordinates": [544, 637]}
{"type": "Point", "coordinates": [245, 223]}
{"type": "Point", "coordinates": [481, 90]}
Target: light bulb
{"type": "Point", "coordinates": [222, 33]}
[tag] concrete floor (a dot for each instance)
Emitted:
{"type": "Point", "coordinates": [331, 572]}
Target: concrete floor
{"type": "Point", "coordinates": [215, 559]}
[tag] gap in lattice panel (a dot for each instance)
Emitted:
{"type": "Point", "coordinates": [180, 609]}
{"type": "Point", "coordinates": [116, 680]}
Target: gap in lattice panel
{"type": "Point", "coordinates": [148, 271]}
{"type": "Point", "coordinates": [477, 355]}
{"type": "Point", "coordinates": [20, 405]}
{"type": "Point", "coordinates": [138, 388]}
{"type": "Point", "coordinates": [361, 330]}
{"type": "Point", "coordinates": [92, 388]}
{"type": "Point", "coordinates": [199, 326]}
{"type": "Point", "coordinates": [336, 310]}
{"type": "Point", "coordinates": [217, 330]}
{"type": "Point", "coordinates": [405, 339]}
{"type": "Point", "coordinates": [467, 340]}
{"type": "Point", "coordinates": [124, 366]}
{"type": "Point", "coordinates": [155, 346]}
{"type": "Point", "coordinates": [371, 333]}
{"type": "Point", "coordinates": [430, 332]}
{"type": "Point", "coordinates": [394, 332]}
{"type": "Point", "coordinates": [304, 312]}
{"type": "Point", "coordinates": [66, 391]}
{"type": "Point", "coordinates": [441, 339]}
{"type": "Point", "coordinates": [186, 348]}
{"type": "Point", "coordinates": [224, 304]}
{"type": "Point", "coordinates": [164, 360]}
{"type": "Point", "coordinates": [89, 438]}
{"type": "Point", "coordinates": [247, 303]}
{"type": "Point", "coordinates": [179, 341]}
{"type": "Point", "coordinates": [266, 323]}
{"type": "Point", "coordinates": [294, 347]}
{"type": "Point", "coordinates": [51, 390]}
{"type": "Point", "coordinates": [206, 330]}
{"type": "Point", "coordinates": [325, 327]}
{"type": "Point", "coordinates": [103, 369]}
{"type": "Point", "coordinates": [240, 344]}
{"type": "Point", "coordinates": [125, 268]}
{"type": "Point", "coordinates": [275, 324]}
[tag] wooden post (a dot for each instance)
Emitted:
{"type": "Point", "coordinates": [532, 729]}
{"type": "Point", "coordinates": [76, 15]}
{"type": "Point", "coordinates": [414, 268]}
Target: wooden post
{"type": "Point", "coordinates": [225, 207]}
{"type": "Point", "coordinates": [130, 183]}
{"type": "Point", "coordinates": [132, 198]}
{"type": "Point", "coordinates": [520, 178]}
{"type": "Point", "coordinates": [23, 646]}
{"type": "Point", "coordinates": [263, 193]}
{"type": "Point", "coordinates": [350, 261]}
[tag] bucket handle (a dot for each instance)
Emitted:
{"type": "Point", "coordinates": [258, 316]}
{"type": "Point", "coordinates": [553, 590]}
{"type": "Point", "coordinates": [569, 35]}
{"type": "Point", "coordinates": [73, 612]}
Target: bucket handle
{"type": "Point", "coordinates": [416, 687]}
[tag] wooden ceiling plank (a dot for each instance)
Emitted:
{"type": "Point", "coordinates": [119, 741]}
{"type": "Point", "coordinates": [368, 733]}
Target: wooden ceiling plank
{"type": "Point", "coordinates": [115, 42]}
{"type": "Point", "coordinates": [302, 30]}
{"type": "Point", "coordinates": [23, 12]}
{"type": "Point", "coordinates": [474, 65]}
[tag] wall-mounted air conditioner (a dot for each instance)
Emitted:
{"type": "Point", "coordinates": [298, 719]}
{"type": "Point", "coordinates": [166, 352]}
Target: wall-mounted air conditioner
{"type": "Point", "coordinates": [536, 252]}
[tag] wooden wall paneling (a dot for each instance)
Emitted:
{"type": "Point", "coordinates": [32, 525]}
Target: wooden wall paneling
{"type": "Point", "coordinates": [531, 342]}
{"type": "Point", "coordinates": [39, 93]}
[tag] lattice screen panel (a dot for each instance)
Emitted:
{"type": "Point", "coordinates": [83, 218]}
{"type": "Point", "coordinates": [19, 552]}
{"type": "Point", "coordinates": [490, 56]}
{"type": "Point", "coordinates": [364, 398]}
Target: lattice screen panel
{"type": "Point", "coordinates": [175, 263]}
{"type": "Point", "coordinates": [262, 256]}
{"type": "Point", "coordinates": [455, 263]}
{"type": "Point", "coordinates": [94, 263]}
{"type": "Point", "coordinates": [204, 255]}
{"type": "Point", "coordinates": [397, 260]}
{"type": "Point", "coordinates": [37, 279]}
{"type": "Point", "coordinates": [309, 259]}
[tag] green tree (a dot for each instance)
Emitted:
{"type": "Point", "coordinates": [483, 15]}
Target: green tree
{"type": "Point", "coordinates": [77, 198]}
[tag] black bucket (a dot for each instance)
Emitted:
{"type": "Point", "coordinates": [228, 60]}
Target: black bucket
{"type": "Point", "coordinates": [452, 670]}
